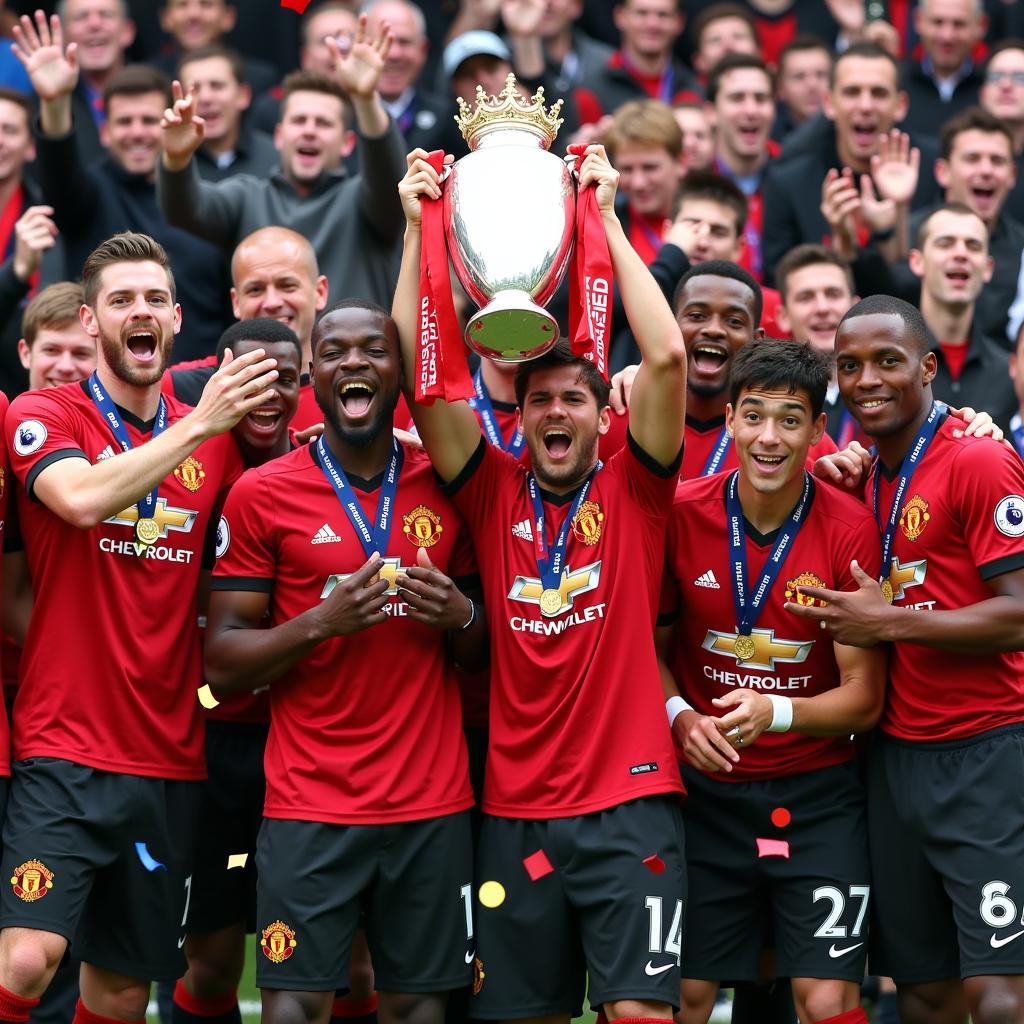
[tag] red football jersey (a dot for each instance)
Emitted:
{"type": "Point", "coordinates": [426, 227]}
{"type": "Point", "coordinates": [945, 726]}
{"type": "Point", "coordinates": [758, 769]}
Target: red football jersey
{"type": "Point", "coordinates": [577, 716]}
{"type": "Point", "coordinates": [5, 496]}
{"type": "Point", "coordinates": [111, 662]}
{"type": "Point", "coordinates": [793, 657]}
{"type": "Point", "coordinates": [962, 524]}
{"type": "Point", "coordinates": [365, 729]}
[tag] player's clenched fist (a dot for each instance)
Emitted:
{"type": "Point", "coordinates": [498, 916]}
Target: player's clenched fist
{"type": "Point", "coordinates": [356, 602]}
{"type": "Point", "coordinates": [432, 597]}
{"type": "Point", "coordinates": [238, 387]}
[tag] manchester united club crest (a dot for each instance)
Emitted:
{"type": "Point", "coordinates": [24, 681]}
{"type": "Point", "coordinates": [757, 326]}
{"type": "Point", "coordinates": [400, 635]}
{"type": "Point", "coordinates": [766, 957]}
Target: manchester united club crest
{"type": "Point", "coordinates": [914, 517]}
{"type": "Point", "coordinates": [805, 579]}
{"type": "Point", "coordinates": [32, 881]}
{"type": "Point", "coordinates": [588, 523]}
{"type": "Point", "coordinates": [190, 474]}
{"type": "Point", "coordinates": [422, 527]}
{"type": "Point", "coordinates": [278, 942]}
{"type": "Point", "coordinates": [478, 975]}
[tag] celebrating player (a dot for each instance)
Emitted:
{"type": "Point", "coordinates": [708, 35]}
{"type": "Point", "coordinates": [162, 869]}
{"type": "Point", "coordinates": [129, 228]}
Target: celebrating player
{"type": "Point", "coordinates": [343, 548]}
{"type": "Point", "coordinates": [945, 831]}
{"type": "Point", "coordinates": [118, 489]}
{"type": "Point", "coordinates": [580, 857]}
{"type": "Point", "coordinates": [776, 839]}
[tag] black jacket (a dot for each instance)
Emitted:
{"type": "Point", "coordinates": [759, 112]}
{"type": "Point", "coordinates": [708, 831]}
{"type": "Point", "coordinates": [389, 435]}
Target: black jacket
{"type": "Point", "coordinates": [255, 154]}
{"type": "Point", "coordinates": [93, 203]}
{"type": "Point", "coordinates": [613, 85]}
{"type": "Point", "coordinates": [928, 111]}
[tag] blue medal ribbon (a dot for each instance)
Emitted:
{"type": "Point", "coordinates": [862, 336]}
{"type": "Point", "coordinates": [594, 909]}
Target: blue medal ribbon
{"type": "Point", "coordinates": [377, 538]}
{"type": "Point", "coordinates": [718, 453]}
{"type": "Point", "coordinates": [907, 468]}
{"type": "Point", "coordinates": [108, 410]}
{"type": "Point", "coordinates": [747, 610]}
{"type": "Point", "coordinates": [485, 410]}
{"type": "Point", "coordinates": [550, 561]}
{"type": "Point", "coordinates": [1017, 434]}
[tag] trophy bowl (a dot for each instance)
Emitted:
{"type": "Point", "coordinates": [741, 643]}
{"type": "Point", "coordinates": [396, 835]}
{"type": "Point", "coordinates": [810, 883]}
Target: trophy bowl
{"type": "Point", "coordinates": [509, 215]}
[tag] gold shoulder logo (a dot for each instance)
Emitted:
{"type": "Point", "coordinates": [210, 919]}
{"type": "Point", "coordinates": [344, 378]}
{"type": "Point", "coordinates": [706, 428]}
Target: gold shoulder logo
{"type": "Point", "coordinates": [278, 942]}
{"type": "Point", "coordinates": [588, 523]}
{"type": "Point", "coordinates": [32, 881]}
{"type": "Point", "coordinates": [190, 474]}
{"type": "Point", "coordinates": [914, 517]}
{"type": "Point", "coordinates": [805, 579]}
{"type": "Point", "coordinates": [422, 527]}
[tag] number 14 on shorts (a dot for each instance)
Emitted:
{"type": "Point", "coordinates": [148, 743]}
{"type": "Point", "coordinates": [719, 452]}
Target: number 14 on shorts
{"type": "Point", "coordinates": [673, 942]}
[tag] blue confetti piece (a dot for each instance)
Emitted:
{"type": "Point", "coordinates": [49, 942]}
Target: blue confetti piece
{"type": "Point", "coordinates": [148, 861]}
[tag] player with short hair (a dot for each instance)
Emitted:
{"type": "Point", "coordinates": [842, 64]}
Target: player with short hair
{"type": "Point", "coordinates": [580, 857]}
{"type": "Point", "coordinates": [333, 589]}
{"type": "Point", "coordinates": [776, 840]}
{"type": "Point", "coordinates": [947, 846]}
{"type": "Point", "coordinates": [118, 487]}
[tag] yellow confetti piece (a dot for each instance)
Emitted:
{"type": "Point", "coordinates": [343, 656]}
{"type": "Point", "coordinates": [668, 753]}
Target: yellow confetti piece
{"type": "Point", "coordinates": [237, 860]}
{"type": "Point", "coordinates": [492, 894]}
{"type": "Point", "coordinates": [206, 697]}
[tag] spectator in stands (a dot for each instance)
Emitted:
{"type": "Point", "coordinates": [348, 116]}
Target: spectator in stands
{"type": "Point", "coordinates": [117, 193]}
{"type": "Point", "coordinates": [698, 135]}
{"type": "Point", "coordinates": [215, 75]}
{"type": "Point", "coordinates": [424, 118]}
{"type": "Point", "coordinates": [1003, 95]}
{"type": "Point", "coordinates": [944, 80]}
{"type": "Point", "coordinates": [779, 22]}
{"type": "Point", "coordinates": [721, 29]}
{"type": "Point", "coordinates": [644, 65]}
{"type": "Point", "coordinates": [801, 83]}
{"type": "Point", "coordinates": [196, 24]}
{"type": "Point", "coordinates": [863, 104]}
{"type": "Point", "coordinates": [953, 262]}
{"type": "Point", "coordinates": [353, 222]}
{"type": "Point", "coordinates": [740, 91]}
{"type": "Point", "coordinates": [54, 348]}
{"type": "Point", "coordinates": [572, 57]}
{"type": "Point", "coordinates": [102, 32]}
{"type": "Point", "coordinates": [645, 145]}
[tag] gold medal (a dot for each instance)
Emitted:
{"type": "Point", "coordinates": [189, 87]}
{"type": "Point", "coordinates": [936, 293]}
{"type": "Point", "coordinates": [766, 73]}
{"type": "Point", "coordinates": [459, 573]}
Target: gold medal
{"type": "Point", "coordinates": [550, 602]}
{"type": "Point", "coordinates": [146, 530]}
{"type": "Point", "coordinates": [887, 591]}
{"type": "Point", "coordinates": [744, 648]}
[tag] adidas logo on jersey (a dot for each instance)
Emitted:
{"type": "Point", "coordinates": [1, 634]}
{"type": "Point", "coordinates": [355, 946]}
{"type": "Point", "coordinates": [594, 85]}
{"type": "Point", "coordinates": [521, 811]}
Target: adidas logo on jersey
{"type": "Point", "coordinates": [707, 579]}
{"type": "Point", "coordinates": [325, 535]}
{"type": "Point", "coordinates": [523, 530]}
{"type": "Point", "coordinates": [107, 453]}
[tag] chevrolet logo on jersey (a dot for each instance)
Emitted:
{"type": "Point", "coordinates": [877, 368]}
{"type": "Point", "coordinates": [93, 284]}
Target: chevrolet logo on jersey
{"type": "Point", "coordinates": [528, 588]}
{"type": "Point", "coordinates": [901, 577]}
{"type": "Point", "coordinates": [167, 517]}
{"type": "Point", "coordinates": [767, 650]}
{"type": "Point", "coordinates": [389, 570]}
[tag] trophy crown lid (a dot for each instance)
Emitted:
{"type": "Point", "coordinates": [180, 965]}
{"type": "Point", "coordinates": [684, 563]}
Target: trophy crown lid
{"type": "Point", "coordinates": [506, 110]}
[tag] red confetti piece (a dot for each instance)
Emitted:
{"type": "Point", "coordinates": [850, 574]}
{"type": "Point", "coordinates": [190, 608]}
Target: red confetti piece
{"type": "Point", "coordinates": [295, 5]}
{"type": "Point", "coordinates": [654, 864]}
{"type": "Point", "coordinates": [773, 848]}
{"type": "Point", "coordinates": [537, 865]}
{"type": "Point", "coordinates": [781, 817]}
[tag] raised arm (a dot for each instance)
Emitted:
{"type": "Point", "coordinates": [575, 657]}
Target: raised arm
{"type": "Point", "coordinates": [658, 403]}
{"type": "Point", "coordinates": [450, 432]}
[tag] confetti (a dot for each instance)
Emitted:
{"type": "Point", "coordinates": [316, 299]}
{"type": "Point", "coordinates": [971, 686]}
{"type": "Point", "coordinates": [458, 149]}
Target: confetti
{"type": "Point", "coordinates": [149, 862]}
{"type": "Point", "coordinates": [492, 894]}
{"type": "Point", "coordinates": [773, 848]}
{"type": "Point", "coordinates": [206, 697]}
{"type": "Point", "coordinates": [654, 864]}
{"type": "Point", "coordinates": [537, 865]}
{"type": "Point", "coordinates": [299, 6]}
{"type": "Point", "coordinates": [781, 817]}
{"type": "Point", "coordinates": [237, 860]}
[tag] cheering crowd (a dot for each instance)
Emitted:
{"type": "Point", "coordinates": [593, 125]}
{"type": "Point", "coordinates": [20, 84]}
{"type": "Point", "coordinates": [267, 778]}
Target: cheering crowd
{"type": "Point", "coordinates": [704, 677]}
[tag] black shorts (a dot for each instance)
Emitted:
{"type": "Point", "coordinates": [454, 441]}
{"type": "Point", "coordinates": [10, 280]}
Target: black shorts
{"type": "Point", "coordinates": [103, 859]}
{"type": "Point", "coordinates": [786, 858]}
{"type": "Point", "coordinates": [407, 884]}
{"type": "Point", "coordinates": [946, 833]}
{"type": "Point", "coordinates": [229, 821]}
{"type": "Point", "coordinates": [557, 898]}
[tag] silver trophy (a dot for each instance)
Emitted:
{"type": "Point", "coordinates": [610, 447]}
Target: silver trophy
{"type": "Point", "coordinates": [509, 215]}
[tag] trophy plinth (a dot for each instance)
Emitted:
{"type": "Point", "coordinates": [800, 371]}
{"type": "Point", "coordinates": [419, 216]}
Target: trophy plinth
{"type": "Point", "coordinates": [510, 209]}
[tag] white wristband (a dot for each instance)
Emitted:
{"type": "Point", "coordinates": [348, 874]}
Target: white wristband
{"type": "Point", "coordinates": [674, 706]}
{"type": "Point", "coordinates": [782, 713]}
